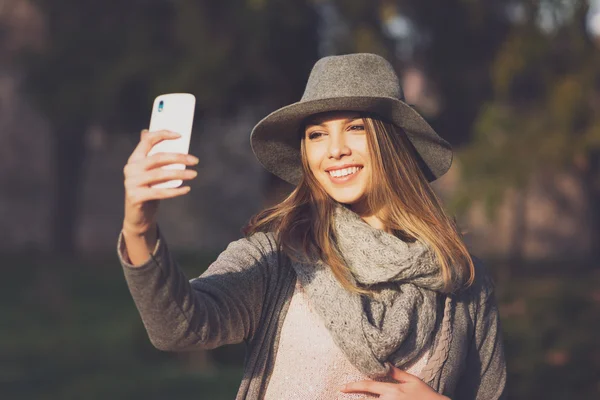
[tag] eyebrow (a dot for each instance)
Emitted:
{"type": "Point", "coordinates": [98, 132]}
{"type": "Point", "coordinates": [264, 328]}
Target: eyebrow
{"type": "Point", "coordinates": [315, 123]}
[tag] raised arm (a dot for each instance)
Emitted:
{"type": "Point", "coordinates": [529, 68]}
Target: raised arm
{"type": "Point", "coordinates": [222, 306]}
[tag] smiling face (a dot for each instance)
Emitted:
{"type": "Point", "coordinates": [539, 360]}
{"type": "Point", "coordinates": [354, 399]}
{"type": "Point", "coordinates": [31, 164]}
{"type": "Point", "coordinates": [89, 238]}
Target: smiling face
{"type": "Point", "coordinates": [337, 154]}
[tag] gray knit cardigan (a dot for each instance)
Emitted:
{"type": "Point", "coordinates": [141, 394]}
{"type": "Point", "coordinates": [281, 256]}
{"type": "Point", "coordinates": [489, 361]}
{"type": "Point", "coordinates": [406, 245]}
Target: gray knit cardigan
{"type": "Point", "coordinates": [244, 296]}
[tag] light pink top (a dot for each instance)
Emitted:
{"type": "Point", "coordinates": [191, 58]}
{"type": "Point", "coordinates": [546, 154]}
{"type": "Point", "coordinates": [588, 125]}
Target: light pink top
{"type": "Point", "coordinates": [309, 365]}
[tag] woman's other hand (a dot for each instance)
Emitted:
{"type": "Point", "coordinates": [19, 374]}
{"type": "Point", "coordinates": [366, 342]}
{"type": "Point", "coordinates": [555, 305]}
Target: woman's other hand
{"type": "Point", "coordinates": [409, 387]}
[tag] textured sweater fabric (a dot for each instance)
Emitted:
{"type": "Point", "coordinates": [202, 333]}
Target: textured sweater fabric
{"type": "Point", "coordinates": [244, 296]}
{"type": "Point", "coordinates": [309, 365]}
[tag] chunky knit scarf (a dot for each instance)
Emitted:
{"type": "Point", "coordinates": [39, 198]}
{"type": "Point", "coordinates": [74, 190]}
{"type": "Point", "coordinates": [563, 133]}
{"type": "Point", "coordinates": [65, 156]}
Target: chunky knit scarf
{"type": "Point", "coordinates": [403, 317]}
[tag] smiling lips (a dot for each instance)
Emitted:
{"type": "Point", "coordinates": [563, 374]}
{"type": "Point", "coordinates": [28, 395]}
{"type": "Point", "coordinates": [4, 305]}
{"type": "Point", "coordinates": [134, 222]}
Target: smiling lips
{"type": "Point", "coordinates": [343, 174]}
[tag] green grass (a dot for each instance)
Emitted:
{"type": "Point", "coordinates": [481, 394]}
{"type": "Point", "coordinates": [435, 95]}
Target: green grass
{"type": "Point", "coordinates": [70, 331]}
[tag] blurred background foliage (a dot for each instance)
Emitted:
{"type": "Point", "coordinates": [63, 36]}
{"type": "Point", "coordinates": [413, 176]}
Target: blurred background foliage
{"type": "Point", "coordinates": [541, 112]}
{"type": "Point", "coordinates": [516, 88]}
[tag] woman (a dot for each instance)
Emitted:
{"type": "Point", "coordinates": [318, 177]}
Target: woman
{"type": "Point", "coordinates": [355, 286]}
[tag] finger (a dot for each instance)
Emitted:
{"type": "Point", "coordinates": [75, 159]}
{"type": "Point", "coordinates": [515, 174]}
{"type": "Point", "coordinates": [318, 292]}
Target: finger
{"type": "Point", "coordinates": [162, 159]}
{"type": "Point", "coordinates": [148, 141]}
{"type": "Point", "coordinates": [367, 386]}
{"type": "Point", "coordinates": [147, 194]}
{"type": "Point", "coordinates": [160, 175]}
{"type": "Point", "coordinates": [167, 193]}
{"type": "Point", "coordinates": [133, 170]}
{"type": "Point", "coordinates": [400, 375]}
{"type": "Point", "coordinates": [143, 133]}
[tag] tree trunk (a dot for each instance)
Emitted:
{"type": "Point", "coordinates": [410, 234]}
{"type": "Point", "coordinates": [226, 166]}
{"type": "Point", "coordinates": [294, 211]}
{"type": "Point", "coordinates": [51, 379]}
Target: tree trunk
{"type": "Point", "coordinates": [69, 161]}
{"type": "Point", "coordinates": [519, 231]}
{"type": "Point", "coordinates": [590, 176]}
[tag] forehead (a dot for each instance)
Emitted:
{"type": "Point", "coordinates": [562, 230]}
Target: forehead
{"type": "Point", "coordinates": [330, 116]}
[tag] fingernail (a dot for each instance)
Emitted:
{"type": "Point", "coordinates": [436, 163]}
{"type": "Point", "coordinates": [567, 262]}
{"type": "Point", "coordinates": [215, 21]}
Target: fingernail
{"type": "Point", "coordinates": [193, 159]}
{"type": "Point", "coordinates": [174, 134]}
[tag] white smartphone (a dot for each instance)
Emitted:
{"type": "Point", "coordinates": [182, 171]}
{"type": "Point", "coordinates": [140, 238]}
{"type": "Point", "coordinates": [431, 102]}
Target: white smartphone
{"type": "Point", "coordinates": [173, 112]}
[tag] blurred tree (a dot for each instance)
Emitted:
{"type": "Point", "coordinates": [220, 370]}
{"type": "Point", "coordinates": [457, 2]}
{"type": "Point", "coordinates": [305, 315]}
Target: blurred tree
{"type": "Point", "coordinates": [365, 22]}
{"type": "Point", "coordinates": [103, 62]}
{"type": "Point", "coordinates": [460, 40]}
{"type": "Point", "coordinates": [543, 114]}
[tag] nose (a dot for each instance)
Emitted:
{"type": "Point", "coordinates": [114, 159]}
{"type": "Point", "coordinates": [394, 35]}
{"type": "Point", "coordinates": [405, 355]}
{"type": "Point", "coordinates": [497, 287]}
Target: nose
{"type": "Point", "coordinates": [338, 146]}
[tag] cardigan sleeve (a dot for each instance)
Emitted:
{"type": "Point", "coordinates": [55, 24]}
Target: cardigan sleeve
{"type": "Point", "coordinates": [221, 306]}
{"type": "Point", "coordinates": [484, 377]}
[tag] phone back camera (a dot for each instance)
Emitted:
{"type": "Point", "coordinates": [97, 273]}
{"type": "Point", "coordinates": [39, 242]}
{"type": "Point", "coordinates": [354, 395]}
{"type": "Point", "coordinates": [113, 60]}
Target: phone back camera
{"type": "Point", "coordinates": [161, 105]}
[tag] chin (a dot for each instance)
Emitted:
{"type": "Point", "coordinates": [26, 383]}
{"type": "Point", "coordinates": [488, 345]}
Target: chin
{"type": "Point", "coordinates": [349, 195]}
{"type": "Point", "coordinates": [348, 201]}
{"type": "Point", "coordinates": [346, 198]}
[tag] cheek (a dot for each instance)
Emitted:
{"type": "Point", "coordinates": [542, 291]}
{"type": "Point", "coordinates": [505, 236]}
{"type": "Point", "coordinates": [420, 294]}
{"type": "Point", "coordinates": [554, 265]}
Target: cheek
{"type": "Point", "coordinates": [362, 148]}
{"type": "Point", "coordinates": [313, 158]}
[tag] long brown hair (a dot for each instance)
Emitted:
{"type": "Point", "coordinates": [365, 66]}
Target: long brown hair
{"type": "Point", "coordinates": [400, 193]}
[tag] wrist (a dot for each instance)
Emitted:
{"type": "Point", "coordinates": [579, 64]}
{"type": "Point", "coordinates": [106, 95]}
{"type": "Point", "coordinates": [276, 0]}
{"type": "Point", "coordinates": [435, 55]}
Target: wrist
{"type": "Point", "coordinates": [140, 245]}
{"type": "Point", "coordinates": [149, 237]}
{"type": "Point", "coordinates": [137, 232]}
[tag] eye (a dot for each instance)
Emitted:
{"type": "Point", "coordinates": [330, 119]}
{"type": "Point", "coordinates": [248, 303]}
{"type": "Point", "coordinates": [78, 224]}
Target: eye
{"type": "Point", "coordinates": [357, 127]}
{"type": "Point", "coordinates": [314, 135]}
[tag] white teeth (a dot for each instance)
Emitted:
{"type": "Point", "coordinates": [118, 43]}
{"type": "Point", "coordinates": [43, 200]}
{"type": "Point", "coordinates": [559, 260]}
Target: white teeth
{"type": "Point", "coordinates": [343, 172]}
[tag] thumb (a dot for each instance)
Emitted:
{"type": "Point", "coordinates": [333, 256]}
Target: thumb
{"type": "Point", "coordinates": [400, 375]}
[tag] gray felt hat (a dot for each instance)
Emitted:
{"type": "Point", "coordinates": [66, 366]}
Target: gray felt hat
{"type": "Point", "coordinates": [352, 82]}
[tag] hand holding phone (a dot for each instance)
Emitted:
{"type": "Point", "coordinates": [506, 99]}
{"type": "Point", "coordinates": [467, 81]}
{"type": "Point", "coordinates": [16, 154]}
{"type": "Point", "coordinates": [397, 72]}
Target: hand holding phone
{"type": "Point", "coordinates": [173, 112]}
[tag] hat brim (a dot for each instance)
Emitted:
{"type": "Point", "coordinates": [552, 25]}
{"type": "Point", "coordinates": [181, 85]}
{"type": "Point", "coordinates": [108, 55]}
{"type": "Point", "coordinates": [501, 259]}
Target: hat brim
{"type": "Point", "coordinates": [275, 139]}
